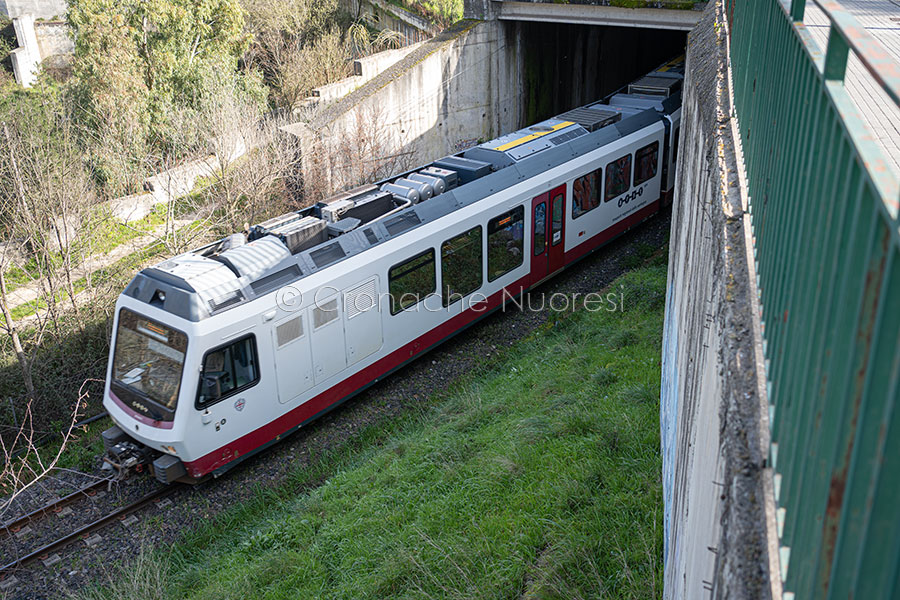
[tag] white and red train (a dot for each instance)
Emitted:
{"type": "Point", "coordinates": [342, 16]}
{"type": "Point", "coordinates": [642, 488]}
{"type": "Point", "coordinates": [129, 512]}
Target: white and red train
{"type": "Point", "coordinates": [224, 350]}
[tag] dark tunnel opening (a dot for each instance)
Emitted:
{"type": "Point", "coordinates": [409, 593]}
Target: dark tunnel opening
{"type": "Point", "coordinates": [566, 65]}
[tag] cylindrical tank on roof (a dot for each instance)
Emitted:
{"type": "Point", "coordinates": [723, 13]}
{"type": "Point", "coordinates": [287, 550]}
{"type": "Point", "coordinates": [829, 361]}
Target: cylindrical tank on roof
{"type": "Point", "coordinates": [425, 190]}
{"type": "Point", "coordinates": [436, 183]}
{"type": "Point", "coordinates": [401, 191]}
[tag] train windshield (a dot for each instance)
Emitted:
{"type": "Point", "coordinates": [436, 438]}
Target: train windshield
{"type": "Point", "coordinates": [149, 358]}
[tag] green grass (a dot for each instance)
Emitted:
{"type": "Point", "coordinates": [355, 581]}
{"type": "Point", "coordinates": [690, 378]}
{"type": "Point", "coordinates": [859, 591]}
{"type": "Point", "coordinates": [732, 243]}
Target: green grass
{"type": "Point", "coordinates": [642, 252]}
{"type": "Point", "coordinates": [82, 448]}
{"type": "Point", "coordinates": [122, 270]}
{"type": "Point", "coordinates": [437, 11]}
{"type": "Point", "coordinates": [539, 477]}
{"type": "Point", "coordinates": [106, 233]}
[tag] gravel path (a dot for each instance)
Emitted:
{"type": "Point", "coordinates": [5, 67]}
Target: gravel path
{"type": "Point", "coordinates": [397, 395]}
{"type": "Point", "coordinates": [31, 291]}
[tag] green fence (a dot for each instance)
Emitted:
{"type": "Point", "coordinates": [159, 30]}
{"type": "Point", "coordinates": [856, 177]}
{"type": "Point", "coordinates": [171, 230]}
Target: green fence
{"type": "Point", "coordinates": [824, 207]}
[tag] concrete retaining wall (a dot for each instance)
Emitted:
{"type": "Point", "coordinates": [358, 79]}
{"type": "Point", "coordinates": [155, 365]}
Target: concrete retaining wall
{"type": "Point", "coordinates": [450, 92]}
{"type": "Point", "coordinates": [54, 39]}
{"type": "Point", "coordinates": [26, 58]}
{"type": "Point", "coordinates": [365, 69]}
{"type": "Point", "coordinates": [42, 44]}
{"type": "Point", "coordinates": [718, 501]}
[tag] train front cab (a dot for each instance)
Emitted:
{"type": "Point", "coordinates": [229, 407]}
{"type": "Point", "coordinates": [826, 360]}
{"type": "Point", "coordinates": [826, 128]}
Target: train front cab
{"type": "Point", "coordinates": [164, 379]}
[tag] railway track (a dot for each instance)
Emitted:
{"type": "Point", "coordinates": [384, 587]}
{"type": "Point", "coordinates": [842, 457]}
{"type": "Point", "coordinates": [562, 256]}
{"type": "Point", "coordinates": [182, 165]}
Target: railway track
{"type": "Point", "coordinates": [54, 507]}
{"type": "Point", "coordinates": [82, 532]}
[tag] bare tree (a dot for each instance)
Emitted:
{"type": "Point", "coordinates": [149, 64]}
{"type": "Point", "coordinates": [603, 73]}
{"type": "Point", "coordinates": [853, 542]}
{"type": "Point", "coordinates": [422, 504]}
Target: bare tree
{"type": "Point", "coordinates": [360, 148]}
{"type": "Point", "coordinates": [48, 193]}
{"type": "Point", "coordinates": [251, 160]}
{"type": "Point", "coordinates": [25, 361]}
{"type": "Point", "coordinates": [25, 461]}
{"type": "Point", "coordinates": [298, 66]}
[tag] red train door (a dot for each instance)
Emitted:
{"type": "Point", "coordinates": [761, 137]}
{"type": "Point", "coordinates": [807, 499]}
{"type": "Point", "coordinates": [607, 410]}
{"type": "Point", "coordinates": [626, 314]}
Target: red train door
{"type": "Point", "coordinates": [557, 234]}
{"type": "Point", "coordinates": [540, 225]}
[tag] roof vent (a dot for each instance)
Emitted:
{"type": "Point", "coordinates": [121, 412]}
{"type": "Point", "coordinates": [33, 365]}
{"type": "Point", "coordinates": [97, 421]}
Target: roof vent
{"type": "Point", "coordinates": [655, 86]}
{"type": "Point", "coordinates": [226, 300]}
{"type": "Point", "coordinates": [302, 234]}
{"type": "Point", "coordinates": [327, 255]}
{"type": "Point", "coordinates": [402, 222]}
{"type": "Point", "coordinates": [592, 118]}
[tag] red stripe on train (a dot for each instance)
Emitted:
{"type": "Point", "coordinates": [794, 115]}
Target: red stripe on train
{"type": "Point", "coordinates": [309, 409]}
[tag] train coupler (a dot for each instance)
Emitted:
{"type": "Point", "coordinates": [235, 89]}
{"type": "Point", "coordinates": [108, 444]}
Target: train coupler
{"type": "Point", "coordinates": [124, 455]}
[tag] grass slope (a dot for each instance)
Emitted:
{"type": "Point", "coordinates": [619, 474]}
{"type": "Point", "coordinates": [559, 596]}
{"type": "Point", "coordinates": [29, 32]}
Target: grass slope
{"type": "Point", "coordinates": [537, 479]}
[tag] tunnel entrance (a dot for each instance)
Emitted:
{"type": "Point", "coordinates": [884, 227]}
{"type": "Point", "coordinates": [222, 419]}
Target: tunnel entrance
{"type": "Point", "coordinates": [565, 66]}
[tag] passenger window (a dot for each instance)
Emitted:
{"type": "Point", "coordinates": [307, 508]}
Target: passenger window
{"type": "Point", "coordinates": [540, 228]}
{"type": "Point", "coordinates": [411, 281]}
{"type": "Point", "coordinates": [505, 242]}
{"type": "Point", "coordinates": [586, 193]}
{"type": "Point", "coordinates": [645, 163]}
{"type": "Point", "coordinates": [618, 176]}
{"type": "Point", "coordinates": [461, 265]}
{"type": "Point", "coordinates": [228, 370]}
{"type": "Point", "coordinates": [557, 223]}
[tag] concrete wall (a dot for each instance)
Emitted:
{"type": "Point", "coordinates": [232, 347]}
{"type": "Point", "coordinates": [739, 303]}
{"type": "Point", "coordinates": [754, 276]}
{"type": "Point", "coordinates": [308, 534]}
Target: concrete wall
{"type": "Point", "coordinates": [383, 15]}
{"type": "Point", "coordinates": [473, 82]}
{"type": "Point", "coordinates": [717, 489]}
{"type": "Point", "coordinates": [453, 90]}
{"type": "Point", "coordinates": [365, 69]}
{"type": "Point", "coordinates": [41, 9]}
{"type": "Point", "coordinates": [26, 58]}
{"type": "Point", "coordinates": [54, 39]}
{"type": "Point", "coordinates": [42, 44]}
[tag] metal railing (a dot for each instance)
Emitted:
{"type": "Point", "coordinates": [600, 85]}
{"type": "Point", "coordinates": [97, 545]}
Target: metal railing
{"type": "Point", "coordinates": [824, 208]}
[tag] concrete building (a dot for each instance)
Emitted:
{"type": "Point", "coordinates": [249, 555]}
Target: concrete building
{"type": "Point", "coordinates": [40, 9]}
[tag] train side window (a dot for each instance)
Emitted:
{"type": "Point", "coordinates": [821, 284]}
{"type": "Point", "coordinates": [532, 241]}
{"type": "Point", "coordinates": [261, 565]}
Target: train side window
{"type": "Point", "coordinates": [557, 222]}
{"type": "Point", "coordinates": [505, 241]}
{"type": "Point", "coordinates": [540, 228]}
{"type": "Point", "coordinates": [645, 163]}
{"type": "Point", "coordinates": [228, 370]}
{"type": "Point", "coordinates": [411, 281]}
{"type": "Point", "coordinates": [461, 264]}
{"type": "Point", "coordinates": [618, 177]}
{"type": "Point", "coordinates": [586, 193]}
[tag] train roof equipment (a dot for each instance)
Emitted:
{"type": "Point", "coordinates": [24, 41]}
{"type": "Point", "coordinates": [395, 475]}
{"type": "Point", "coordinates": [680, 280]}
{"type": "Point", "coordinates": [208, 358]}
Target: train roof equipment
{"type": "Point", "coordinates": [211, 279]}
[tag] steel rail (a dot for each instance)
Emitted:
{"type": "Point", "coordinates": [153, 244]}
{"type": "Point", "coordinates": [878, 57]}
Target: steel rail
{"type": "Point", "coordinates": [65, 540]}
{"type": "Point", "coordinates": [52, 507]}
